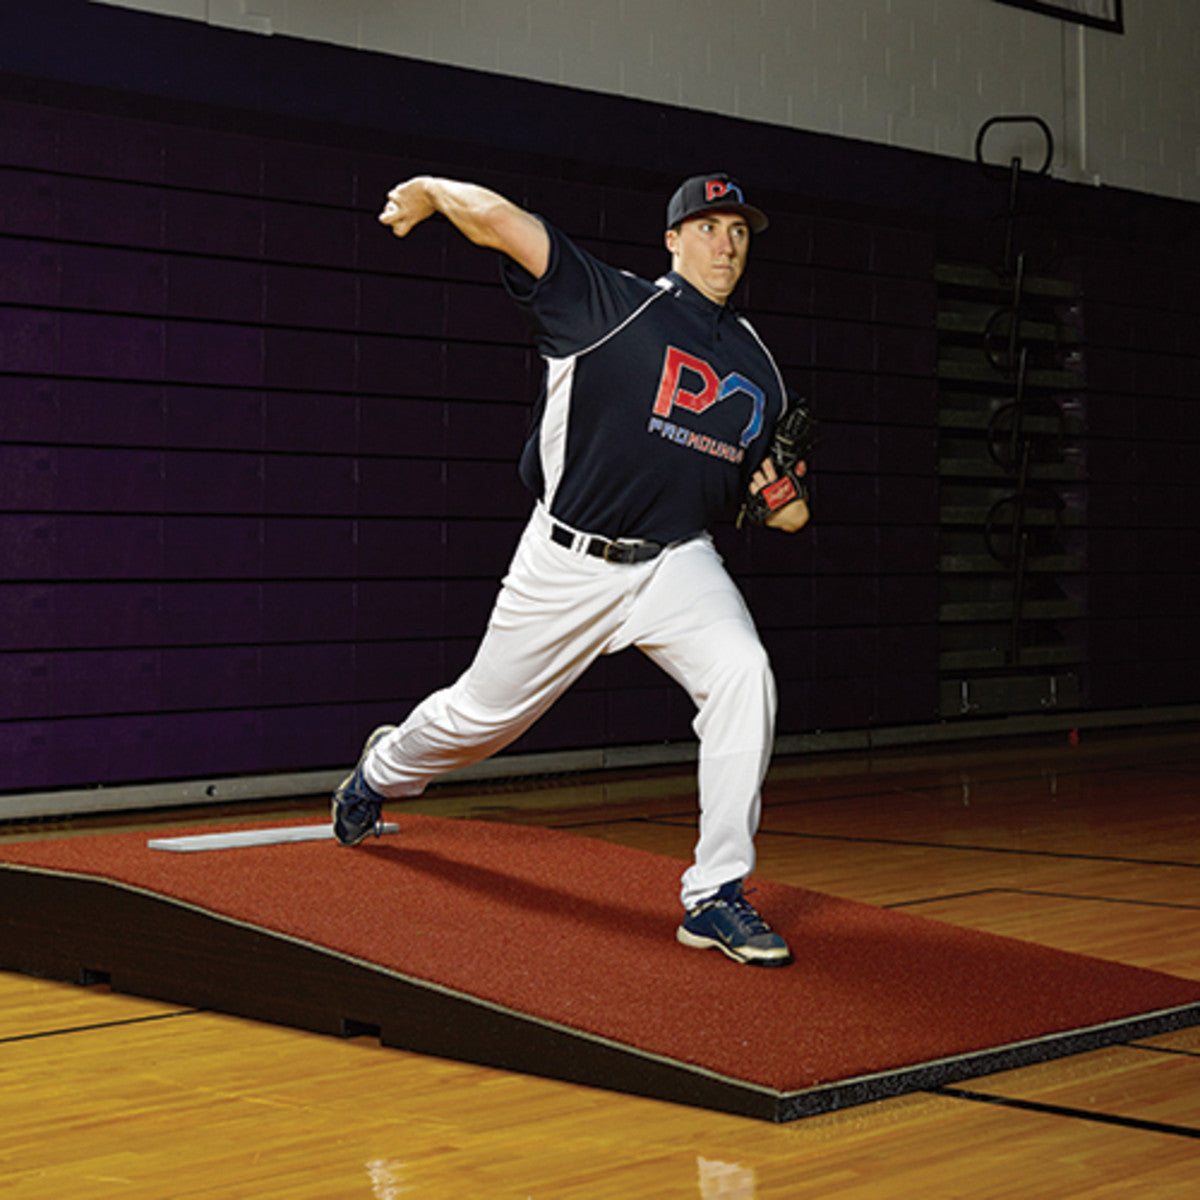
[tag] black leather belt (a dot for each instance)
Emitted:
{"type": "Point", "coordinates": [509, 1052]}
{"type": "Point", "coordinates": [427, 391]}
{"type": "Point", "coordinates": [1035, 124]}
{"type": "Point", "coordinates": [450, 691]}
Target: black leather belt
{"type": "Point", "coordinates": [613, 552]}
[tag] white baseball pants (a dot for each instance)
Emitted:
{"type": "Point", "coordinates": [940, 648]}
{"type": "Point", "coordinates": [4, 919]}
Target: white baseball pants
{"type": "Point", "coordinates": [557, 611]}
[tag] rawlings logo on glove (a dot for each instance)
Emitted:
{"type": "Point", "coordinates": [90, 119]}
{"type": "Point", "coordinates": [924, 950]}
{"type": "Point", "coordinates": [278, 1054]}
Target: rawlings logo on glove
{"type": "Point", "coordinates": [791, 445]}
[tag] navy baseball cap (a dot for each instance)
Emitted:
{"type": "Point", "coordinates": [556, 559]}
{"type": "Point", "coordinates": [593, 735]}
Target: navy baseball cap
{"type": "Point", "coordinates": [712, 193]}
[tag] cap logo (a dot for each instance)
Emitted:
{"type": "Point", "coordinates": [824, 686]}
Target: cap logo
{"type": "Point", "coordinates": [718, 189]}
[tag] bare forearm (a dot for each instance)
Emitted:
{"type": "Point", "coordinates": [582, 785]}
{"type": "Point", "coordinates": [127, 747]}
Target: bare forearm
{"type": "Point", "coordinates": [478, 213]}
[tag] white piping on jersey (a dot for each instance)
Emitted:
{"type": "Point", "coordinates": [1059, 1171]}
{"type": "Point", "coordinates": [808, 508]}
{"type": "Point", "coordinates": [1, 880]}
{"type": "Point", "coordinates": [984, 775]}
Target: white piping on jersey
{"type": "Point", "coordinates": [783, 392]}
{"type": "Point", "coordinates": [560, 376]}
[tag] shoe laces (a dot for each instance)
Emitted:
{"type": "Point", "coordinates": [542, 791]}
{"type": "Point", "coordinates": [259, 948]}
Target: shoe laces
{"type": "Point", "coordinates": [363, 795]}
{"type": "Point", "coordinates": [747, 916]}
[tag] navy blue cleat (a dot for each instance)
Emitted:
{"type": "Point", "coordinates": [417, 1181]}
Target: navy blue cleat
{"type": "Point", "coordinates": [357, 807]}
{"type": "Point", "coordinates": [730, 923]}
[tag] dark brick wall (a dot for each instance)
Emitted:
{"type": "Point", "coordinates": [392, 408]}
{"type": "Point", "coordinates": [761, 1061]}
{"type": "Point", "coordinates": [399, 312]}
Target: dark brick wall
{"type": "Point", "coordinates": [257, 458]}
{"type": "Point", "coordinates": [1142, 352]}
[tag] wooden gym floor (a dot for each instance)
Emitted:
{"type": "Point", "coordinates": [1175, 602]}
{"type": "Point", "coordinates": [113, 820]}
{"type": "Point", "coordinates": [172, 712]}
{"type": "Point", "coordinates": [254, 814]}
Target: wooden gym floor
{"type": "Point", "coordinates": [1093, 847]}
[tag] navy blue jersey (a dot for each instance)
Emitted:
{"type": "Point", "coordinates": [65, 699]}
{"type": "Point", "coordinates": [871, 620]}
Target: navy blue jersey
{"type": "Point", "coordinates": [657, 404]}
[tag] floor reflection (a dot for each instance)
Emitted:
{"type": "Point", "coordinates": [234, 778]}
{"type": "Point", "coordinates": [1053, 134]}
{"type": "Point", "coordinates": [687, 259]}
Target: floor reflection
{"type": "Point", "coordinates": [725, 1181]}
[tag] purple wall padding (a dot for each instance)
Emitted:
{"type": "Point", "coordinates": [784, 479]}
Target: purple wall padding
{"type": "Point", "coordinates": [257, 458]}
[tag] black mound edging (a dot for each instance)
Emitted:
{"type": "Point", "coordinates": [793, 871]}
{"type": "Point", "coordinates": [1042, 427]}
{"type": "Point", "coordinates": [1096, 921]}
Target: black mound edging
{"type": "Point", "coordinates": [928, 1076]}
{"type": "Point", "coordinates": [82, 929]}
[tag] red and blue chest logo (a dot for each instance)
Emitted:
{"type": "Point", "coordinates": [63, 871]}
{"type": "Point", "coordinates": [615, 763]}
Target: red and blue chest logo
{"type": "Point", "coordinates": [690, 384]}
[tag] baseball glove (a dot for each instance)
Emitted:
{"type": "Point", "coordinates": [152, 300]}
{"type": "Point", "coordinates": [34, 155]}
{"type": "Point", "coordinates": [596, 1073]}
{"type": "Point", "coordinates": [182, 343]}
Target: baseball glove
{"type": "Point", "coordinates": [791, 445]}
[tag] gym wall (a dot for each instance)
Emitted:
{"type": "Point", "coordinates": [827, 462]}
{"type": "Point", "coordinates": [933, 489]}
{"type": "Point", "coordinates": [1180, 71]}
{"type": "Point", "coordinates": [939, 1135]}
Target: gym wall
{"type": "Point", "coordinates": [257, 457]}
{"type": "Point", "coordinates": [918, 74]}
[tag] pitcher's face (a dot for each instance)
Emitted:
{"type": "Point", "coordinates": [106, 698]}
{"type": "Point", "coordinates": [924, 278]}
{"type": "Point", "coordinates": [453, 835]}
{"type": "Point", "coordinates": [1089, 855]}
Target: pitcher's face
{"type": "Point", "coordinates": [709, 251]}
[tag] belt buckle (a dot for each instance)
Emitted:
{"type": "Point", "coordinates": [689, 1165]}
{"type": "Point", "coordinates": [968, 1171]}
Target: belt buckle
{"type": "Point", "coordinates": [613, 553]}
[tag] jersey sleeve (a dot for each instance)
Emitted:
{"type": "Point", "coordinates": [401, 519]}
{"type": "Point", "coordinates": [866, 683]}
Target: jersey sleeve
{"type": "Point", "coordinates": [576, 302]}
